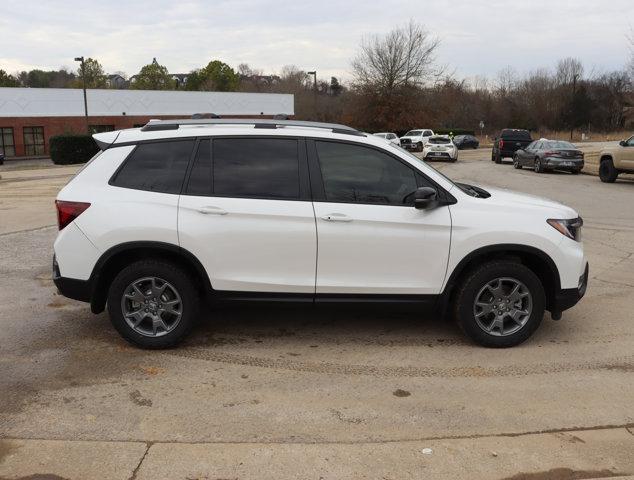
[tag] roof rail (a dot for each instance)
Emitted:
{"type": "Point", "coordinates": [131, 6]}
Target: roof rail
{"type": "Point", "coordinates": [156, 125]}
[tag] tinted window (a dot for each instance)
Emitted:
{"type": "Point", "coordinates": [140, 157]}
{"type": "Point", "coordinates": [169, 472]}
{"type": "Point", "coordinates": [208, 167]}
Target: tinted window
{"type": "Point", "coordinates": [358, 174]}
{"type": "Point", "coordinates": [427, 133]}
{"type": "Point", "coordinates": [157, 167]}
{"type": "Point", "coordinates": [559, 144]}
{"type": "Point", "coordinates": [256, 167]}
{"type": "Point", "coordinates": [439, 140]}
{"type": "Point", "coordinates": [200, 177]}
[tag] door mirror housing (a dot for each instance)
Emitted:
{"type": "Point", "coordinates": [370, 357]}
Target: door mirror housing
{"type": "Point", "coordinates": [425, 197]}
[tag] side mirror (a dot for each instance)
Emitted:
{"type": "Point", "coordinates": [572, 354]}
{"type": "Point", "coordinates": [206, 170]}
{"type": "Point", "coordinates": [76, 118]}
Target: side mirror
{"type": "Point", "coordinates": [425, 197]}
{"type": "Point", "coordinates": [623, 143]}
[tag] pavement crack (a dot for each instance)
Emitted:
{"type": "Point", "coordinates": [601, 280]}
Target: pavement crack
{"type": "Point", "coordinates": [148, 445]}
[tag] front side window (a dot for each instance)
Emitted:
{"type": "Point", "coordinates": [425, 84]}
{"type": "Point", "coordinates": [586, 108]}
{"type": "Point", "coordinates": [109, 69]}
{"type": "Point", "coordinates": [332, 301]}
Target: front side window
{"type": "Point", "coordinates": [256, 168]}
{"type": "Point", "coordinates": [7, 145]}
{"type": "Point", "coordinates": [427, 133]}
{"type": "Point", "coordinates": [630, 142]}
{"type": "Point", "coordinates": [156, 167]}
{"type": "Point", "coordinates": [34, 140]}
{"type": "Point", "coordinates": [357, 174]}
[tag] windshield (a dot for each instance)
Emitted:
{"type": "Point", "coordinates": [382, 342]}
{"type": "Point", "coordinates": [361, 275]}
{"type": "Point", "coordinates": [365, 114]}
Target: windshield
{"type": "Point", "coordinates": [413, 133]}
{"type": "Point", "coordinates": [439, 140]}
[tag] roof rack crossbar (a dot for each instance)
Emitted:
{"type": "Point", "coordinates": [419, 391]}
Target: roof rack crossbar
{"type": "Point", "coordinates": [155, 125]}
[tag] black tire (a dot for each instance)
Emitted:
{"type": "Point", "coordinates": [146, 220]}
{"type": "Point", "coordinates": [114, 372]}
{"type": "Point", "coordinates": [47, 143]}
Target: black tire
{"type": "Point", "coordinates": [498, 158]}
{"type": "Point", "coordinates": [182, 283]}
{"type": "Point", "coordinates": [538, 166]}
{"type": "Point", "coordinates": [607, 172]}
{"type": "Point", "coordinates": [575, 171]}
{"type": "Point", "coordinates": [475, 280]}
{"type": "Point", "coordinates": [516, 163]}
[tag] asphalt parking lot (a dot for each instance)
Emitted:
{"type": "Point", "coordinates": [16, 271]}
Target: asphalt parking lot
{"type": "Point", "coordinates": [291, 392]}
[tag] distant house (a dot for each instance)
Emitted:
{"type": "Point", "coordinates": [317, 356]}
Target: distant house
{"type": "Point", "coordinates": [116, 81]}
{"type": "Point", "coordinates": [267, 80]}
{"type": "Point", "coordinates": [180, 79]}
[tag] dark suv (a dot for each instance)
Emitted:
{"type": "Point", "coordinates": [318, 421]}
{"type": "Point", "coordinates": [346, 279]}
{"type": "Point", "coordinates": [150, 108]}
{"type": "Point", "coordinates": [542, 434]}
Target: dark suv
{"type": "Point", "coordinates": [509, 141]}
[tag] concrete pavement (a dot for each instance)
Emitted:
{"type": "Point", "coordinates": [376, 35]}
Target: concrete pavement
{"type": "Point", "coordinates": [302, 393]}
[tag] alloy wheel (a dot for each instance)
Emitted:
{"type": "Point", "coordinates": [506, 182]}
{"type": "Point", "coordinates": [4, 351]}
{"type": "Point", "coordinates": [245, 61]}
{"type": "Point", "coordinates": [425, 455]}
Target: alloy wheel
{"type": "Point", "coordinates": [151, 306]}
{"type": "Point", "coordinates": [503, 306]}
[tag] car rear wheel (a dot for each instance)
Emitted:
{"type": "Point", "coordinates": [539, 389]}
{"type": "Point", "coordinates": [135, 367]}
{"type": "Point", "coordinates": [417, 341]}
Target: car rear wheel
{"type": "Point", "coordinates": [516, 163]}
{"type": "Point", "coordinates": [498, 158]}
{"type": "Point", "coordinates": [153, 304]}
{"type": "Point", "coordinates": [607, 172]}
{"type": "Point", "coordinates": [500, 304]}
{"type": "Point", "coordinates": [538, 166]}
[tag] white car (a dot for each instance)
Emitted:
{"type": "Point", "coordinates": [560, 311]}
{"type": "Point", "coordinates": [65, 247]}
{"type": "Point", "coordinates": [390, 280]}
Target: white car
{"type": "Point", "coordinates": [440, 147]}
{"type": "Point", "coordinates": [416, 139]}
{"type": "Point", "coordinates": [184, 210]}
{"type": "Point", "coordinates": [390, 137]}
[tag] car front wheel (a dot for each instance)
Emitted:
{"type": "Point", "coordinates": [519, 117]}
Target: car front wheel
{"type": "Point", "coordinates": [607, 172]}
{"type": "Point", "coordinates": [153, 304]}
{"type": "Point", "coordinates": [500, 304]}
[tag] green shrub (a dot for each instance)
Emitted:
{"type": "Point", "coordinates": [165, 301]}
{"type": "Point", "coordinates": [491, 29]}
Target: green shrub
{"type": "Point", "coordinates": [70, 149]}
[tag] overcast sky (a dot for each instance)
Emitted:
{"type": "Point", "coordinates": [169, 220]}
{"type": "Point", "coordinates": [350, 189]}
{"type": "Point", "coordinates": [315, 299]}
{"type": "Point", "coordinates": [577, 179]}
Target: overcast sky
{"type": "Point", "coordinates": [478, 37]}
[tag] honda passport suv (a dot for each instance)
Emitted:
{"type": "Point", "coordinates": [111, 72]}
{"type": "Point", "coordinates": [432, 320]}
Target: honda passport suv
{"type": "Point", "coordinates": [178, 212]}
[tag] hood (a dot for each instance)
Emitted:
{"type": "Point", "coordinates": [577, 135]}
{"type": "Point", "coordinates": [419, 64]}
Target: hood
{"type": "Point", "coordinates": [511, 198]}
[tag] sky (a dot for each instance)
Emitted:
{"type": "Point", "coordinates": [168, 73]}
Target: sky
{"type": "Point", "coordinates": [478, 38]}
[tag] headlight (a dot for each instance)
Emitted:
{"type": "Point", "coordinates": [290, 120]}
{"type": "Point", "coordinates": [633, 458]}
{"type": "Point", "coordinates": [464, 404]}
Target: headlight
{"type": "Point", "coordinates": [571, 228]}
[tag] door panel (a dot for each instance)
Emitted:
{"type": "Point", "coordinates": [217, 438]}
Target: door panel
{"type": "Point", "coordinates": [251, 244]}
{"type": "Point", "coordinates": [381, 249]}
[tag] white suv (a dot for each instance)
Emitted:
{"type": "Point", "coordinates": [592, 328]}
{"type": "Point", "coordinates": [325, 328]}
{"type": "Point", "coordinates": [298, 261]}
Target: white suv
{"type": "Point", "coordinates": [179, 211]}
{"type": "Point", "coordinates": [416, 139]}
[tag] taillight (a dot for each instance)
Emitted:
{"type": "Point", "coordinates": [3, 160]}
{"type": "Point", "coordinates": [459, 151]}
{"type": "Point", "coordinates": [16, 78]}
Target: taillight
{"type": "Point", "coordinates": [69, 211]}
{"type": "Point", "coordinates": [501, 143]}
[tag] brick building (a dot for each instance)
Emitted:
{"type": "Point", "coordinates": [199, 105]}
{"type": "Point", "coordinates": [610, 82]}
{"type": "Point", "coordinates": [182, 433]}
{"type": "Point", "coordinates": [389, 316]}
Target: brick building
{"type": "Point", "coordinates": [30, 116]}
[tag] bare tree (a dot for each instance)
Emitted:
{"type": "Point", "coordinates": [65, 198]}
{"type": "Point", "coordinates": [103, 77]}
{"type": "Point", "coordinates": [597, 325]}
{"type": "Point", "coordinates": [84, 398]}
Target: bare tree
{"type": "Point", "coordinates": [403, 57]}
{"type": "Point", "coordinates": [569, 70]}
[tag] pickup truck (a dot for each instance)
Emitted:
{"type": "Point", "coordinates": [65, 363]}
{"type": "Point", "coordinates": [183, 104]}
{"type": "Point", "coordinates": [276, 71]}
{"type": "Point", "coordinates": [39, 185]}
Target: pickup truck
{"type": "Point", "coordinates": [416, 139]}
{"type": "Point", "coordinates": [616, 159]}
{"type": "Point", "coordinates": [509, 142]}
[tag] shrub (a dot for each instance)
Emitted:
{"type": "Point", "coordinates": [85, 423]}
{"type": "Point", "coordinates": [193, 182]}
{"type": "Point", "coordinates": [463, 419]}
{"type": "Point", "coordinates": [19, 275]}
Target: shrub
{"type": "Point", "coordinates": [70, 149]}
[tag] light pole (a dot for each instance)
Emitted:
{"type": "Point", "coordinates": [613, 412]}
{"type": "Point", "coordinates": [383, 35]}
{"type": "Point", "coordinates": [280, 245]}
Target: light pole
{"type": "Point", "coordinates": [314, 74]}
{"type": "Point", "coordinates": [83, 77]}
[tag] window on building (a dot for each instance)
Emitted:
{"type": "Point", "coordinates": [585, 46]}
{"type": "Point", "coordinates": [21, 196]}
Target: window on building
{"type": "Point", "coordinates": [7, 145]}
{"type": "Point", "coordinates": [34, 141]}
{"type": "Point", "coordinates": [101, 128]}
{"type": "Point", "coordinates": [156, 167]}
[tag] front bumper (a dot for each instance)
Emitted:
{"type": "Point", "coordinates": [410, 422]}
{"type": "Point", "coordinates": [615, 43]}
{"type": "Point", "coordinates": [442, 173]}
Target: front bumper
{"type": "Point", "coordinates": [569, 297]}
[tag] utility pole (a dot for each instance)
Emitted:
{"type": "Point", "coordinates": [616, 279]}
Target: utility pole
{"type": "Point", "coordinates": [314, 74]}
{"type": "Point", "coordinates": [572, 103]}
{"type": "Point", "coordinates": [83, 77]}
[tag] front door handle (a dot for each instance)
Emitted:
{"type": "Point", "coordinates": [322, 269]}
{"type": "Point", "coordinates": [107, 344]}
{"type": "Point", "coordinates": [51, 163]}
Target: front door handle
{"type": "Point", "coordinates": [336, 217]}
{"type": "Point", "coordinates": [211, 210]}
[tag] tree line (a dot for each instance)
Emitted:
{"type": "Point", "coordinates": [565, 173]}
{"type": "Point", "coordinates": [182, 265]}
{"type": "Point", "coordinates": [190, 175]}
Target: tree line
{"type": "Point", "coordinates": [397, 84]}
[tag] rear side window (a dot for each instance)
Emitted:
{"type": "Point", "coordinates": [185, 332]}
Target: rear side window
{"type": "Point", "coordinates": [256, 167]}
{"type": "Point", "coordinates": [357, 174]}
{"type": "Point", "coordinates": [156, 167]}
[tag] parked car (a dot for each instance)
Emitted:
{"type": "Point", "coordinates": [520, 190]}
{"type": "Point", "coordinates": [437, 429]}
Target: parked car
{"type": "Point", "coordinates": [542, 155]}
{"type": "Point", "coordinates": [440, 147]}
{"type": "Point", "coordinates": [235, 209]}
{"type": "Point", "coordinates": [616, 159]}
{"type": "Point", "coordinates": [389, 136]}
{"type": "Point", "coordinates": [509, 141]}
{"type": "Point", "coordinates": [416, 139]}
{"type": "Point", "coordinates": [466, 141]}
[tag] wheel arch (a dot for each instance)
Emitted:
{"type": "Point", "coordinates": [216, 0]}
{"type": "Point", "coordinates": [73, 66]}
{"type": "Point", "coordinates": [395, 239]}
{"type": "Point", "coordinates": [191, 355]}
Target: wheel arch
{"type": "Point", "coordinates": [535, 259]}
{"type": "Point", "coordinates": [114, 259]}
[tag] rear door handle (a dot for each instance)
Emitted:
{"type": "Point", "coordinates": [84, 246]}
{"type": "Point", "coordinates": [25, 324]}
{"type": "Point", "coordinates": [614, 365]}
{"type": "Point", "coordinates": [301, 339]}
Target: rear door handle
{"type": "Point", "coordinates": [211, 210]}
{"type": "Point", "coordinates": [336, 217]}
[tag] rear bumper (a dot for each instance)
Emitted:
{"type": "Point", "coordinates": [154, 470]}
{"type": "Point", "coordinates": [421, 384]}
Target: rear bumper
{"type": "Point", "coordinates": [71, 287]}
{"type": "Point", "coordinates": [569, 297]}
{"type": "Point", "coordinates": [562, 163]}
